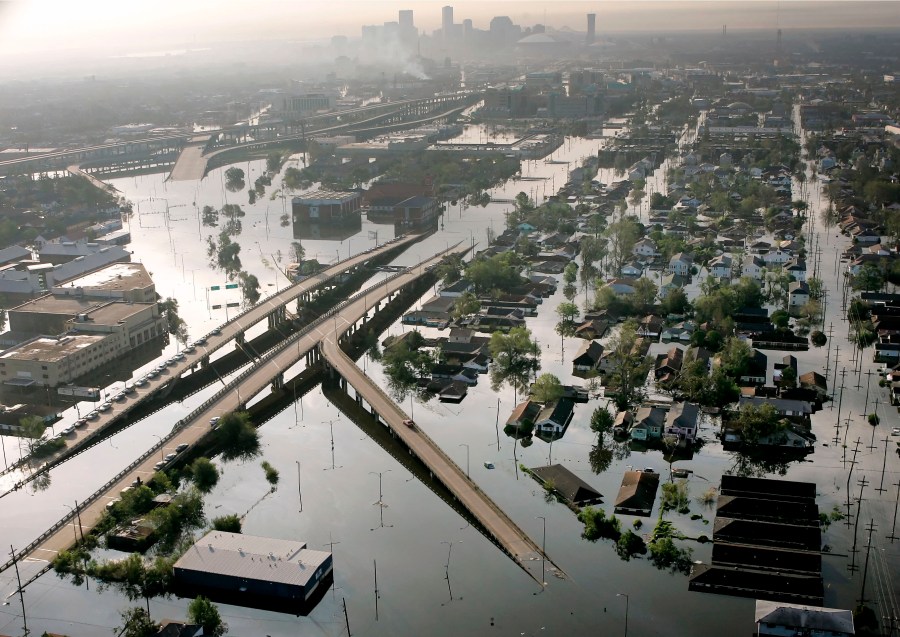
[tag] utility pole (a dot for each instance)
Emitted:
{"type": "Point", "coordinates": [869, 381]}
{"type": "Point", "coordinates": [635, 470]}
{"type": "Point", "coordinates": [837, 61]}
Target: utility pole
{"type": "Point", "coordinates": [893, 535]}
{"type": "Point", "coordinates": [873, 424]}
{"type": "Point", "coordinates": [862, 591]}
{"type": "Point", "coordinates": [12, 553]}
{"type": "Point", "coordinates": [331, 428]}
{"type": "Point", "coordinates": [850, 475]}
{"type": "Point", "coordinates": [868, 381]}
{"type": "Point", "coordinates": [299, 486]}
{"type": "Point", "coordinates": [881, 488]}
{"type": "Point", "coordinates": [828, 355]}
{"type": "Point", "coordinates": [837, 423]}
{"type": "Point", "coordinates": [837, 355]}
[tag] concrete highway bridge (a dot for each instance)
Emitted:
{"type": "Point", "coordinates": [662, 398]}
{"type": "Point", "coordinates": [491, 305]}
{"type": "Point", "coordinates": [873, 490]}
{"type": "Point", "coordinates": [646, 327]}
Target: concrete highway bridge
{"type": "Point", "coordinates": [272, 309]}
{"type": "Point", "coordinates": [320, 341]}
{"type": "Point", "coordinates": [165, 149]}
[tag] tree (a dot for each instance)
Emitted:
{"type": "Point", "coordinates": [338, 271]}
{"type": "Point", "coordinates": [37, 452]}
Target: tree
{"type": "Point", "coordinates": [676, 302]}
{"type": "Point", "coordinates": [203, 612]}
{"type": "Point", "coordinates": [250, 287]}
{"type": "Point", "coordinates": [734, 359]}
{"type": "Point", "coordinates": [467, 303]}
{"type": "Point", "coordinates": [546, 389]}
{"type": "Point", "coordinates": [237, 436]}
{"type": "Point", "coordinates": [869, 278]}
{"type": "Point", "coordinates": [621, 236]}
{"type": "Point", "coordinates": [229, 523]}
{"type": "Point", "coordinates": [136, 622]}
{"type": "Point", "coordinates": [818, 338]}
{"type": "Point", "coordinates": [570, 274]}
{"type": "Point", "coordinates": [629, 367]}
{"type": "Point", "coordinates": [644, 293]}
{"type": "Point", "coordinates": [788, 377]}
{"type": "Point", "coordinates": [32, 430]}
{"type": "Point", "coordinates": [175, 324]}
{"type": "Point", "coordinates": [630, 544]}
{"type": "Point", "coordinates": [567, 311]}
{"type": "Point", "coordinates": [203, 474]}
{"type": "Point", "coordinates": [601, 421]}
{"type": "Point", "coordinates": [273, 162]}
{"type": "Point", "coordinates": [297, 252]}
{"type": "Point", "coordinates": [271, 473]}
{"type": "Point", "coordinates": [515, 358]}
{"type": "Point", "coordinates": [756, 422]}
{"type": "Point", "coordinates": [405, 362]}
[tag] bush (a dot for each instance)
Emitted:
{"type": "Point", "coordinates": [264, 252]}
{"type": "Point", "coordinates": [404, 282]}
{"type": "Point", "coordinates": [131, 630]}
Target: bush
{"type": "Point", "coordinates": [204, 474]}
{"type": "Point", "coordinates": [229, 523]}
{"type": "Point", "coordinates": [238, 436]}
{"type": "Point", "coordinates": [630, 544]}
{"type": "Point", "coordinates": [675, 496]}
{"type": "Point", "coordinates": [271, 473]}
{"type": "Point", "coordinates": [597, 525]}
{"type": "Point", "coordinates": [818, 338]}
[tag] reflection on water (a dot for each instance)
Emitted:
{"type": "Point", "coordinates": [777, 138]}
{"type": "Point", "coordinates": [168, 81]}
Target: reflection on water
{"type": "Point", "coordinates": [328, 231]}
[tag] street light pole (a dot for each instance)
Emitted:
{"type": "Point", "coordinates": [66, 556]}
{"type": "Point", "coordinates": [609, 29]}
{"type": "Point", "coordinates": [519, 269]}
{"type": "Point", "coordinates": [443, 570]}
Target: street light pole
{"type": "Point", "coordinates": [543, 550]}
{"type": "Point", "coordinates": [463, 444]}
{"type": "Point", "coordinates": [74, 527]}
{"type": "Point", "coordinates": [162, 456]}
{"type": "Point", "coordinates": [299, 487]}
{"type": "Point", "coordinates": [626, 611]}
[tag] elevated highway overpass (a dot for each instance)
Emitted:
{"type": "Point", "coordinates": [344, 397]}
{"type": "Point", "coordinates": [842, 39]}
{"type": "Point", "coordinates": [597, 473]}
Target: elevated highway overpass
{"type": "Point", "coordinates": [268, 370]}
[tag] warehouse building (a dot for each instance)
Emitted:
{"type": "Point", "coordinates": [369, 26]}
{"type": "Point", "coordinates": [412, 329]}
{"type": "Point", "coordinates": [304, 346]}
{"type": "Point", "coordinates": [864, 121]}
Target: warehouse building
{"type": "Point", "coordinates": [256, 567]}
{"type": "Point", "coordinates": [118, 281]}
{"type": "Point", "coordinates": [93, 334]}
{"type": "Point", "coordinates": [326, 206]}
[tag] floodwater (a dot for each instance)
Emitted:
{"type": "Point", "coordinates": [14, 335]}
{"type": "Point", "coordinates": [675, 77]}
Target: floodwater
{"type": "Point", "coordinates": [435, 574]}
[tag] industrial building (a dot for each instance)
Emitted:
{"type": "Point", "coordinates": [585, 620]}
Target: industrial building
{"type": "Point", "coordinates": [91, 334]}
{"type": "Point", "coordinates": [326, 206]}
{"type": "Point", "coordinates": [121, 281]}
{"type": "Point", "coordinates": [256, 567]}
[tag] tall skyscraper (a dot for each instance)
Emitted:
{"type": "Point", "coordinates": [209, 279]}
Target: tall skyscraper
{"type": "Point", "coordinates": [591, 28]}
{"type": "Point", "coordinates": [447, 22]}
{"type": "Point", "coordinates": [406, 19]}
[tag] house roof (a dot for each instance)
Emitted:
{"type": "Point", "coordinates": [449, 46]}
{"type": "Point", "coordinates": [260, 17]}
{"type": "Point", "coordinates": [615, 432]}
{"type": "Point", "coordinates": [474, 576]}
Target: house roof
{"type": "Point", "coordinates": [526, 410]}
{"type": "Point", "coordinates": [813, 379]}
{"type": "Point", "coordinates": [684, 415]}
{"type": "Point", "coordinates": [638, 490]}
{"type": "Point", "coordinates": [649, 416]}
{"type": "Point", "coordinates": [573, 488]}
{"type": "Point", "coordinates": [807, 618]}
{"type": "Point", "coordinates": [253, 558]}
{"type": "Point", "coordinates": [558, 411]}
{"type": "Point", "coordinates": [590, 350]}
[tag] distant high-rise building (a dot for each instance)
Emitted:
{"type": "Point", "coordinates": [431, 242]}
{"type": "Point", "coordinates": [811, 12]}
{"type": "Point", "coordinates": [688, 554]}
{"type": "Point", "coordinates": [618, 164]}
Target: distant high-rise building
{"type": "Point", "coordinates": [467, 29]}
{"type": "Point", "coordinates": [447, 21]}
{"type": "Point", "coordinates": [406, 19]}
{"type": "Point", "coordinates": [591, 28]}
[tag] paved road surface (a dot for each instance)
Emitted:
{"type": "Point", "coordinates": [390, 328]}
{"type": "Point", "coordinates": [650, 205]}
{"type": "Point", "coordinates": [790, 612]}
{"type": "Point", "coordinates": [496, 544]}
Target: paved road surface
{"type": "Point", "coordinates": [498, 524]}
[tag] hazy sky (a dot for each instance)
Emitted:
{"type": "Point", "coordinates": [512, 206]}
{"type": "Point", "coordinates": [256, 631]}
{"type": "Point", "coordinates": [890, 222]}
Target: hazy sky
{"type": "Point", "coordinates": [119, 27]}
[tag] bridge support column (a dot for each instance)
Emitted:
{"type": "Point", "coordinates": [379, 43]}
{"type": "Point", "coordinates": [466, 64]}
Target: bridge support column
{"type": "Point", "coordinates": [204, 362]}
{"type": "Point", "coordinates": [278, 382]}
{"type": "Point", "coordinates": [239, 338]}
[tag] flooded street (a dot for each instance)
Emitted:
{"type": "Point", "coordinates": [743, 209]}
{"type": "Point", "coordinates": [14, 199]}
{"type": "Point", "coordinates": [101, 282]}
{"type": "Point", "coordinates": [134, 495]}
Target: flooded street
{"type": "Point", "coordinates": [436, 575]}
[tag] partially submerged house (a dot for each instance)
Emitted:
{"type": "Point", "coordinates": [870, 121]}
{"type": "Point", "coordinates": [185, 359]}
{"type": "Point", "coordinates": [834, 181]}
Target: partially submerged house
{"type": "Point", "coordinates": [575, 490]}
{"type": "Point", "coordinates": [637, 493]}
